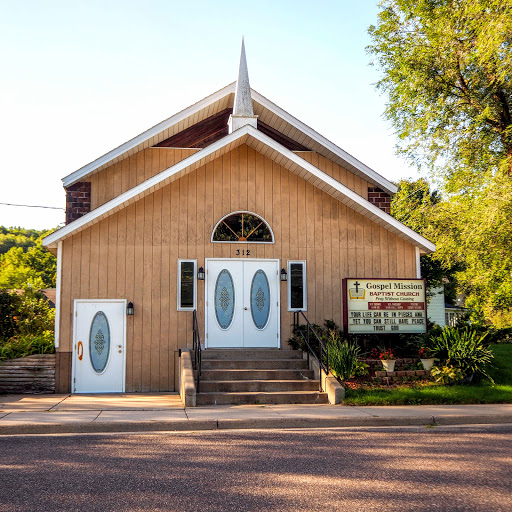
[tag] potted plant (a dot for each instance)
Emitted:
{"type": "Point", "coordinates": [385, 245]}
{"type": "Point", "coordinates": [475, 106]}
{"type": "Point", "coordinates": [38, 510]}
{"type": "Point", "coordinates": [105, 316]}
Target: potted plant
{"type": "Point", "coordinates": [427, 358]}
{"type": "Point", "coordinates": [387, 357]}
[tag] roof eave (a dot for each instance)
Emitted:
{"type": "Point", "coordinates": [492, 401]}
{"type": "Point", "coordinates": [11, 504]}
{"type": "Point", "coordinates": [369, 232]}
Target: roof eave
{"type": "Point", "coordinates": [373, 176]}
{"type": "Point", "coordinates": [247, 130]}
{"type": "Point", "coordinates": [139, 139]}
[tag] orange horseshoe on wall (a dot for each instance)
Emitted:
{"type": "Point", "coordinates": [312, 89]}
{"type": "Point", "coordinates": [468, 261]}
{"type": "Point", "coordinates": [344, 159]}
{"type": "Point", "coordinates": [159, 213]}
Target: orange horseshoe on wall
{"type": "Point", "coordinates": [80, 350]}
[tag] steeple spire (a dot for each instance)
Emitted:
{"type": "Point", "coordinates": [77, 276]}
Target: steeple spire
{"type": "Point", "coordinates": [242, 109]}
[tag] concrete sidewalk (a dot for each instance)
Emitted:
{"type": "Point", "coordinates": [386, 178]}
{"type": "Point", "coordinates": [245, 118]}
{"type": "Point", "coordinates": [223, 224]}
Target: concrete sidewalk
{"type": "Point", "coordinates": [46, 414]}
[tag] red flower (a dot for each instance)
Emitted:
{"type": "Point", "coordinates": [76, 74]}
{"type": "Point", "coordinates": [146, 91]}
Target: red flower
{"type": "Point", "coordinates": [424, 353]}
{"type": "Point", "coordinates": [382, 353]}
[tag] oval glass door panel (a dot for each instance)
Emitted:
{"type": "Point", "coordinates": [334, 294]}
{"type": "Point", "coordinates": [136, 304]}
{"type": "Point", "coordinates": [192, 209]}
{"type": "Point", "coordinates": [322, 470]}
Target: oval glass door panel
{"type": "Point", "coordinates": [260, 299]}
{"type": "Point", "coordinates": [224, 299]}
{"type": "Point", "coordinates": [99, 342]}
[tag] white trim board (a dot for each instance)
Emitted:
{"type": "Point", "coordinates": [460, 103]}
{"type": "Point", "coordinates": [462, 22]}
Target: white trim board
{"type": "Point", "coordinates": [347, 160]}
{"type": "Point", "coordinates": [58, 286]}
{"type": "Point", "coordinates": [268, 147]}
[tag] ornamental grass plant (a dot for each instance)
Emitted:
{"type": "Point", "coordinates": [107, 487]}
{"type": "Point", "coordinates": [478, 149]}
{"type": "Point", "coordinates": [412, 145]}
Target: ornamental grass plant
{"type": "Point", "coordinates": [343, 356]}
{"type": "Point", "coordinates": [466, 349]}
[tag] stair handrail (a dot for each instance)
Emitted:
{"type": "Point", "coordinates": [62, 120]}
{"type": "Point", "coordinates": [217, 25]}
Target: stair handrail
{"type": "Point", "coordinates": [323, 356]}
{"type": "Point", "coordinates": [196, 347]}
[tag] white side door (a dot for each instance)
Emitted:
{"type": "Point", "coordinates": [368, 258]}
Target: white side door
{"type": "Point", "coordinates": [261, 304]}
{"type": "Point", "coordinates": [224, 304]}
{"type": "Point", "coordinates": [99, 346]}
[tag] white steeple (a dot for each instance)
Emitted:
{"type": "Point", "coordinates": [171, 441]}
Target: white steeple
{"type": "Point", "coordinates": [242, 109]}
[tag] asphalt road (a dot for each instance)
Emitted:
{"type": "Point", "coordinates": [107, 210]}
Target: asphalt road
{"type": "Point", "coordinates": [407, 469]}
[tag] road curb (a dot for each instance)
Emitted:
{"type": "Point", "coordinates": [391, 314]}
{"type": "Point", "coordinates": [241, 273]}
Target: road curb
{"type": "Point", "coordinates": [104, 427]}
{"type": "Point", "coordinates": [252, 423]}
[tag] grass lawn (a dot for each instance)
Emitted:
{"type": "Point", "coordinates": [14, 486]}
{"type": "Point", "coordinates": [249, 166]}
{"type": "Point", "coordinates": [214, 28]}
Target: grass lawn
{"type": "Point", "coordinates": [482, 393]}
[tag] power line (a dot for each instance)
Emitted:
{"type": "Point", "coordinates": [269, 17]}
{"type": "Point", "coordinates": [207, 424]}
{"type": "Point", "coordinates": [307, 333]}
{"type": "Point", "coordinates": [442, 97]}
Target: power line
{"type": "Point", "coordinates": [33, 206]}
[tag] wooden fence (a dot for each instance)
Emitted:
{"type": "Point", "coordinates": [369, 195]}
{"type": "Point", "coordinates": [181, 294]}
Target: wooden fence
{"type": "Point", "coordinates": [32, 374]}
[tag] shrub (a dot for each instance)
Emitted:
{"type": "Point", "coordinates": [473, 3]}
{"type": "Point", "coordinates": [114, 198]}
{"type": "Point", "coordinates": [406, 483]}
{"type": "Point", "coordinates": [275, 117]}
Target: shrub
{"type": "Point", "coordinates": [447, 374]}
{"type": "Point", "coordinates": [464, 348]}
{"type": "Point", "coordinates": [26, 325]}
{"type": "Point", "coordinates": [34, 315]}
{"type": "Point", "coordinates": [343, 356]}
{"type": "Point", "coordinates": [361, 369]}
{"type": "Point", "coordinates": [23, 346]}
{"type": "Point", "coordinates": [297, 342]}
{"type": "Point", "coordinates": [9, 304]}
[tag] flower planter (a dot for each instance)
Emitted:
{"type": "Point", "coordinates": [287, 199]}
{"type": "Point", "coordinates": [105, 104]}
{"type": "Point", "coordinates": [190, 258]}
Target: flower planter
{"type": "Point", "coordinates": [427, 363]}
{"type": "Point", "coordinates": [389, 364]}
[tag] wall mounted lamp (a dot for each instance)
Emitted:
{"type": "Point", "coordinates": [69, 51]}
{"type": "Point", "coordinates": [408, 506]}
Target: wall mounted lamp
{"type": "Point", "coordinates": [130, 309]}
{"type": "Point", "coordinates": [200, 274]}
{"type": "Point", "coordinates": [284, 275]}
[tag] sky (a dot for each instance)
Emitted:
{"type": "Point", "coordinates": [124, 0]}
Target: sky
{"type": "Point", "coordinates": [79, 78]}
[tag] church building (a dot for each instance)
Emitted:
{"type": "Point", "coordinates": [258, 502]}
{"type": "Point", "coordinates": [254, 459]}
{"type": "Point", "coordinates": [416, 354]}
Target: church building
{"type": "Point", "coordinates": [229, 216]}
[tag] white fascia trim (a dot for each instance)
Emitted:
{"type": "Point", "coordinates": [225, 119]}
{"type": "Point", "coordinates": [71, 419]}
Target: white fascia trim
{"type": "Point", "coordinates": [212, 148]}
{"type": "Point", "coordinates": [372, 175]}
{"type": "Point", "coordinates": [58, 285]}
{"type": "Point", "coordinates": [51, 239]}
{"type": "Point", "coordinates": [155, 130]}
{"type": "Point", "coordinates": [421, 241]}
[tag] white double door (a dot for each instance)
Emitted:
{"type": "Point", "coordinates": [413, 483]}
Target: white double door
{"type": "Point", "coordinates": [99, 346]}
{"type": "Point", "coordinates": [242, 303]}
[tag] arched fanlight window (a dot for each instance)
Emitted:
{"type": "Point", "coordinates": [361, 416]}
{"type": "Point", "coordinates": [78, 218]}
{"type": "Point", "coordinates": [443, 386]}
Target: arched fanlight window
{"type": "Point", "coordinates": [245, 227]}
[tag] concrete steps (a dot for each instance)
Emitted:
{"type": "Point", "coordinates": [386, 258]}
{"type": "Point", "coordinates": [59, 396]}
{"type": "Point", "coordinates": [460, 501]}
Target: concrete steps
{"type": "Point", "coordinates": [291, 397]}
{"type": "Point", "coordinates": [259, 376]}
{"type": "Point", "coordinates": [234, 354]}
{"type": "Point", "coordinates": [257, 364]}
{"type": "Point", "coordinates": [256, 374]}
{"type": "Point", "coordinates": [258, 386]}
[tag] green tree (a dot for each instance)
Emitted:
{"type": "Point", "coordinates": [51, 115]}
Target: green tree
{"type": "Point", "coordinates": [10, 240]}
{"type": "Point", "coordinates": [27, 262]}
{"type": "Point", "coordinates": [418, 207]}
{"type": "Point", "coordinates": [474, 234]}
{"type": "Point", "coordinates": [447, 73]}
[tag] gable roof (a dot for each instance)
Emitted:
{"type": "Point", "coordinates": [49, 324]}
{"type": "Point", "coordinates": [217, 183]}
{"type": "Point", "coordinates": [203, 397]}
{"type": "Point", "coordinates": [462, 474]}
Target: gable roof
{"type": "Point", "coordinates": [269, 148]}
{"type": "Point", "coordinates": [268, 113]}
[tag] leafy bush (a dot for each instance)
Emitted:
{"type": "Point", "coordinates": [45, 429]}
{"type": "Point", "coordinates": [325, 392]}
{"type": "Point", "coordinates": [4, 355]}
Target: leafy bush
{"type": "Point", "coordinates": [361, 369]}
{"type": "Point", "coordinates": [8, 308]}
{"type": "Point", "coordinates": [343, 356]}
{"type": "Point", "coordinates": [447, 374]}
{"type": "Point", "coordinates": [297, 342]}
{"type": "Point", "coordinates": [464, 348]}
{"type": "Point", "coordinates": [34, 315]}
{"type": "Point", "coordinates": [26, 325]}
{"type": "Point", "coordinates": [23, 346]}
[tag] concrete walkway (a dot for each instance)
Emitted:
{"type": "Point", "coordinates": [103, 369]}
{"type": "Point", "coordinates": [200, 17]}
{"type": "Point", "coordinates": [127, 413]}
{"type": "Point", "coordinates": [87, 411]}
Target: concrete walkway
{"type": "Point", "coordinates": [42, 414]}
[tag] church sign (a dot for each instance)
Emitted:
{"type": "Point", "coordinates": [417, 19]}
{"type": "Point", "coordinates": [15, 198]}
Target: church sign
{"type": "Point", "coordinates": [379, 306]}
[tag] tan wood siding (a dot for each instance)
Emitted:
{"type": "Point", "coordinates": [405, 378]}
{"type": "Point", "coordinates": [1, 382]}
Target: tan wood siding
{"type": "Point", "coordinates": [347, 178]}
{"type": "Point", "coordinates": [128, 173]}
{"type": "Point", "coordinates": [133, 254]}
{"type": "Point", "coordinates": [217, 106]}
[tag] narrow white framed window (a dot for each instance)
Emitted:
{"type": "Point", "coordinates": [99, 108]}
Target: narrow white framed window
{"type": "Point", "coordinates": [297, 287]}
{"type": "Point", "coordinates": [187, 285]}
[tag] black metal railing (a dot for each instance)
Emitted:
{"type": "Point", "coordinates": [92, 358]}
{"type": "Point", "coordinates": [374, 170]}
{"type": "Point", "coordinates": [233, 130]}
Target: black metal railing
{"type": "Point", "coordinates": [196, 348]}
{"type": "Point", "coordinates": [314, 344]}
